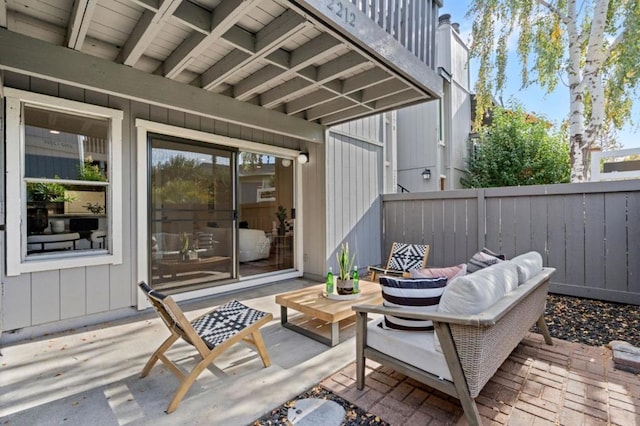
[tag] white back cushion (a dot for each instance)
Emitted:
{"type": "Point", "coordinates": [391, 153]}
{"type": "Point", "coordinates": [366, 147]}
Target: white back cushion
{"type": "Point", "coordinates": [528, 265]}
{"type": "Point", "coordinates": [472, 294]}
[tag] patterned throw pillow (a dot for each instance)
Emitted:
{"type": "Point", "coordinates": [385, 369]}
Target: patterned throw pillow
{"type": "Point", "coordinates": [421, 295]}
{"type": "Point", "coordinates": [483, 259]}
{"type": "Point", "coordinates": [451, 272]}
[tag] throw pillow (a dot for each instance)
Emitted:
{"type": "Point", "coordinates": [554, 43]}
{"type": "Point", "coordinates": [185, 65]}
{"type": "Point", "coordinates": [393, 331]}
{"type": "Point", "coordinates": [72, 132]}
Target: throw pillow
{"type": "Point", "coordinates": [420, 295]}
{"type": "Point", "coordinates": [451, 272]}
{"type": "Point", "coordinates": [483, 259]}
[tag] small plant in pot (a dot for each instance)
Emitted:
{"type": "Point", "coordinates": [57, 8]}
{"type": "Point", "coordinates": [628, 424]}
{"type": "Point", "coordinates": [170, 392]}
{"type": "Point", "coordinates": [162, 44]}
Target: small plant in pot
{"type": "Point", "coordinates": [281, 215]}
{"type": "Point", "coordinates": [344, 283]}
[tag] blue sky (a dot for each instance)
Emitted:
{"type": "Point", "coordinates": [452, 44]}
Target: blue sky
{"type": "Point", "coordinates": [554, 106]}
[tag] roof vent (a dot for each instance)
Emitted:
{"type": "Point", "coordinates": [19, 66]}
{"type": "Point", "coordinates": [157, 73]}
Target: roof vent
{"type": "Point", "coordinates": [444, 19]}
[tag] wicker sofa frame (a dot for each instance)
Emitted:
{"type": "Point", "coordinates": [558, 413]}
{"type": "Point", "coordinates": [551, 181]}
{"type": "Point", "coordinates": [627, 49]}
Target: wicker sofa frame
{"type": "Point", "coordinates": [474, 346]}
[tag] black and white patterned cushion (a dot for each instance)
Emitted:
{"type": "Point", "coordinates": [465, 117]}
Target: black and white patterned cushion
{"type": "Point", "coordinates": [222, 323]}
{"type": "Point", "coordinates": [483, 259]}
{"type": "Point", "coordinates": [421, 295]}
{"type": "Point", "coordinates": [406, 257]}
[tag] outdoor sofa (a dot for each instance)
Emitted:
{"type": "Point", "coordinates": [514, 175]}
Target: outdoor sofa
{"type": "Point", "coordinates": [480, 319]}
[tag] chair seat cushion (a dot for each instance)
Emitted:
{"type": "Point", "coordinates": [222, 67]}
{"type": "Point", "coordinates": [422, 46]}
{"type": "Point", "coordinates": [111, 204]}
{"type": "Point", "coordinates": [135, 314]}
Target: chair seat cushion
{"type": "Point", "coordinates": [413, 347]}
{"type": "Point", "coordinates": [222, 323]}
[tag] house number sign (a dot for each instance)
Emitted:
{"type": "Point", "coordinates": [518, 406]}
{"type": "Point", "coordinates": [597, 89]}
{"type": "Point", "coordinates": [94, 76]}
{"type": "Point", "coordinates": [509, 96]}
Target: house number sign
{"type": "Point", "coordinates": [342, 11]}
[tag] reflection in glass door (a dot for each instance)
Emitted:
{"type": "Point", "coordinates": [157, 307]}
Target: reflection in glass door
{"type": "Point", "coordinates": [266, 213]}
{"type": "Point", "coordinates": [191, 214]}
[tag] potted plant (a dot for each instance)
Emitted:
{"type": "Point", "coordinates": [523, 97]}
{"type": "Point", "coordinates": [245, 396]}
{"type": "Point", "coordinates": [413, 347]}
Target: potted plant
{"type": "Point", "coordinates": [344, 283]}
{"type": "Point", "coordinates": [281, 214]}
{"type": "Point", "coordinates": [41, 197]}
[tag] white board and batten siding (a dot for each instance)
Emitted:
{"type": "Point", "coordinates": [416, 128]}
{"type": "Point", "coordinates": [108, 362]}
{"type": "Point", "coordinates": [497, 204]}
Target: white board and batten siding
{"type": "Point", "coordinates": [354, 164]}
{"type": "Point", "coordinates": [96, 293]}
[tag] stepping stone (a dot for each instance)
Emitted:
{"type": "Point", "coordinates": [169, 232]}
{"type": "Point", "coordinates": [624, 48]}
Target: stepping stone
{"type": "Point", "coordinates": [625, 356]}
{"type": "Point", "coordinates": [314, 412]}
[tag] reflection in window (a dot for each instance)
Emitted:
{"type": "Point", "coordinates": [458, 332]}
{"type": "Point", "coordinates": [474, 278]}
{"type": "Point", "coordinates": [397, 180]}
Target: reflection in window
{"type": "Point", "coordinates": [66, 174]}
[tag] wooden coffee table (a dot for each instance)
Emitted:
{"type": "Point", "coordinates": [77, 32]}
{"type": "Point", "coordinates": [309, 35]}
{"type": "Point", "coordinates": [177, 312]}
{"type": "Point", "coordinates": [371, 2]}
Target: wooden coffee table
{"type": "Point", "coordinates": [311, 302]}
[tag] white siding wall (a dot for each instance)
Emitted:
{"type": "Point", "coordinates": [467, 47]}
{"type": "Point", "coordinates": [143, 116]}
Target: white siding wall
{"type": "Point", "coordinates": [98, 292]}
{"type": "Point", "coordinates": [354, 164]}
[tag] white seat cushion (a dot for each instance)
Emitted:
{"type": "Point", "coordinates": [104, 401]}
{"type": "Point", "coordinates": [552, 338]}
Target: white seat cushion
{"type": "Point", "coordinates": [413, 347]}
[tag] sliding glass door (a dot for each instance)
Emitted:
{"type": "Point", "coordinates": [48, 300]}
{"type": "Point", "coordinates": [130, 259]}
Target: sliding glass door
{"type": "Point", "coordinates": [191, 214]}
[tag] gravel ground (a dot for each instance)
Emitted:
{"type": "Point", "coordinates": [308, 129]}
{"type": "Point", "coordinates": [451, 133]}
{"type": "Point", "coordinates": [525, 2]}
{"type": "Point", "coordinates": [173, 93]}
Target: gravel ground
{"type": "Point", "coordinates": [573, 319]}
{"type": "Point", "coordinates": [592, 322]}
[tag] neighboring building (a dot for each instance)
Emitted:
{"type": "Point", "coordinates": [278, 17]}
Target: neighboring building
{"type": "Point", "coordinates": [126, 122]}
{"type": "Point", "coordinates": [432, 137]}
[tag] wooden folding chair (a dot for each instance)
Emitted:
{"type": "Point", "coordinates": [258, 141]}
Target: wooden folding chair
{"type": "Point", "coordinates": [211, 334]}
{"type": "Point", "coordinates": [402, 259]}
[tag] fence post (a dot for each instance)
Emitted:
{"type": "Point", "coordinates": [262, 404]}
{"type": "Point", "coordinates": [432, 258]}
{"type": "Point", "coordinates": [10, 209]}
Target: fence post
{"type": "Point", "coordinates": [482, 218]}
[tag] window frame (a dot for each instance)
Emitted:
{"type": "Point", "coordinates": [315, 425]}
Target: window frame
{"type": "Point", "coordinates": [16, 223]}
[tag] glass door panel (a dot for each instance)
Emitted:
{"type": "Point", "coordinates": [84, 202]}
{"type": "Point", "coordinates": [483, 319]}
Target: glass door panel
{"type": "Point", "coordinates": [191, 214]}
{"type": "Point", "coordinates": [266, 213]}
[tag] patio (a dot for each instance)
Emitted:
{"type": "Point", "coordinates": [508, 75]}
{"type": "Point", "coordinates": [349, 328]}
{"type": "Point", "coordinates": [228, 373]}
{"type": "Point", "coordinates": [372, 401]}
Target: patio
{"type": "Point", "coordinates": [91, 376]}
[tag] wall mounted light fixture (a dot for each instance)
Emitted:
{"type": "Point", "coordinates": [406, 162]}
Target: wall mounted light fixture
{"type": "Point", "coordinates": [303, 157]}
{"type": "Point", "coordinates": [426, 174]}
{"type": "Point", "coordinates": [286, 162]}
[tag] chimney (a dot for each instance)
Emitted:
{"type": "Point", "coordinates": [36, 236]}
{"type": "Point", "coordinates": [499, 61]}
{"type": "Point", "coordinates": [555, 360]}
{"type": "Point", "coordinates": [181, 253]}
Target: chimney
{"type": "Point", "coordinates": [444, 19]}
{"type": "Point", "coordinates": [456, 27]}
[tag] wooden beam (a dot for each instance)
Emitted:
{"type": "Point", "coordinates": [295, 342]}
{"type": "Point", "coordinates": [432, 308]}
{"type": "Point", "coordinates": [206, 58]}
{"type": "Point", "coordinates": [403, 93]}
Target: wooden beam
{"type": "Point", "coordinates": [366, 79]}
{"type": "Point", "coordinates": [224, 17]}
{"type": "Point", "coordinates": [145, 31]}
{"type": "Point", "coordinates": [308, 101]}
{"type": "Point", "coordinates": [329, 108]}
{"type": "Point", "coordinates": [268, 40]}
{"type": "Point", "coordinates": [382, 90]}
{"type": "Point", "coordinates": [26, 55]}
{"type": "Point", "coordinates": [363, 34]}
{"type": "Point", "coordinates": [3, 13]}
{"type": "Point", "coordinates": [325, 73]}
{"type": "Point", "coordinates": [302, 57]}
{"type": "Point", "coordinates": [81, 15]}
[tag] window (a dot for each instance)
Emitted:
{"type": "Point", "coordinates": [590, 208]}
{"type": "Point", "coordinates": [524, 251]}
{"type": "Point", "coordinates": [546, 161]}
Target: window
{"type": "Point", "coordinates": [63, 183]}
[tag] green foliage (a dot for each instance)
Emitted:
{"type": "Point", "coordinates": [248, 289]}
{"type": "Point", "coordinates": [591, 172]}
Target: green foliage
{"type": "Point", "coordinates": [559, 41]}
{"type": "Point", "coordinates": [92, 172]}
{"type": "Point", "coordinates": [345, 263]}
{"type": "Point", "coordinates": [50, 192]}
{"type": "Point", "coordinates": [181, 180]}
{"type": "Point", "coordinates": [281, 215]}
{"type": "Point", "coordinates": [517, 149]}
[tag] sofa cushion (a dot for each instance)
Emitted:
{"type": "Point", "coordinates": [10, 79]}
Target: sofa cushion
{"type": "Point", "coordinates": [483, 259]}
{"type": "Point", "coordinates": [474, 293]}
{"type": "Point", "coordinates": [528, 265]}
{"type": "Point", "coordinates": [420, 295]}
{"type": "Point", "coordinates": [413, 347]}
{"type": "Point", "coordinates": [450, 272]}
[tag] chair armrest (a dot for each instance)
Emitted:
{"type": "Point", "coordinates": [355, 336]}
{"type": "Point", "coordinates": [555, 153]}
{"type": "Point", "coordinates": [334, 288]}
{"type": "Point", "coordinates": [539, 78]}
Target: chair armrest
{"type": "Point", "coordinates": [434, 316]}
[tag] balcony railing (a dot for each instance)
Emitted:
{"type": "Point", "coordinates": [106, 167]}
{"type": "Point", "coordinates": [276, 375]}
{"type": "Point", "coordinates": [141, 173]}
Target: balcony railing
{"type": "Point", "coordinates": [412, 22]}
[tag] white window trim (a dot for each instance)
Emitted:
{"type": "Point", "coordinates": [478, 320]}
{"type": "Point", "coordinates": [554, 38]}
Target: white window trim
{"type": "Point", "coordinates": [16, 223]}
{"type": "Point", "coordinates": [143, 128]}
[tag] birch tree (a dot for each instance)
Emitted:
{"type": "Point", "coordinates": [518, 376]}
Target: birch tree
{"type": "Point", "coordinates": [592, 46]}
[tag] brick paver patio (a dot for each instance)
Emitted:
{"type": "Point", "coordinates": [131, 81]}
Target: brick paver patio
{"type": "Point", "coordinates": [567, 384]}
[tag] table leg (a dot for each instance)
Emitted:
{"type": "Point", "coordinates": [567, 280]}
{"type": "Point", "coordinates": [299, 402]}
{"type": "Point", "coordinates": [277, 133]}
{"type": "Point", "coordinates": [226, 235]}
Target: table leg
{"type": "Point", "coordinates": [283, 315]}
{"type": "Point", "coordinates": [335, 333]}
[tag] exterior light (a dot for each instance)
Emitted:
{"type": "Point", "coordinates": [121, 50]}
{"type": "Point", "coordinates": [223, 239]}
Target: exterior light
{"type": "Point", "coordinates": [303, 157]}
{"type": "Point", "coordinates": [426, 174]}
{"type": "Point", "coordinates": [286, 162]}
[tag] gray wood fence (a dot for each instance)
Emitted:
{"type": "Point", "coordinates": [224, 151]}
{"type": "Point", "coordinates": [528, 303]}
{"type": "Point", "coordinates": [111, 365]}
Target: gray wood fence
{"type": "Point", "coordinates": [589, 232]}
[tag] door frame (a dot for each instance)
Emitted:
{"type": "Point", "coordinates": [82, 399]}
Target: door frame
{"type": "Point", "coordinates": [143, 128]}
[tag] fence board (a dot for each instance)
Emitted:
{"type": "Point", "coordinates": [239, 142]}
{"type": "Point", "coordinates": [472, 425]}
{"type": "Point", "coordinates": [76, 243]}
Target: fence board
{"type": "Point", "coordinates": [438, 234]}
{"type": "Point", "coordinates": [460, 235]}
{"type": "Point", "coordinates": [492, 229]}
{"type": "Point", "coordinates": [539, 227]}
{"type": "Point", "coordinates": [449, 218]}
{"type": "Point", "coordinates": [556, 237]}
{"type": "Point", "coordinates": [522, 225]}
{"type": "Point", "coordinates": [574, 238]}
{"type": "Point", "coordinates": [473, 245]}
{"type": "Point", "coordinates": [615, 234]}
{"type": "Point", "coordinates": [594, 240]}
{"type": "Point", "coordinates": [508, 227]}
{"type": "Point", "coordinates": [633, 239]}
